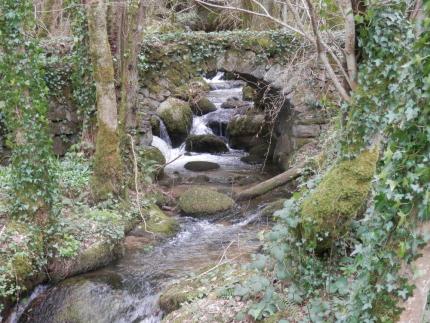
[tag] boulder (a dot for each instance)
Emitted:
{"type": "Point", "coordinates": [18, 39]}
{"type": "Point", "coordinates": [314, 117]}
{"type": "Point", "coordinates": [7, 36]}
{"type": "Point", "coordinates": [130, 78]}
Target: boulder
{"type": "Point", "coordinates": [202, 106]}
{"type": "Point", "coordinates": [248, 93]}
{"type": "Point", "coordinates": [152, 157]}
{"type": "Point", "coordinates": [178, 117]}
{"type": "Point", "coordinates": [159, 222]}
{"type": "Point", "coordinates": [340, 197]}
{"type": "Point", "coordinates": [233, 103]}
{"type": "Point", "coordinates": [257, 155]}
{"type": "Point", "coordinates": [246, 131]}
{"type": "Point", "coordinates": [205, 144]}
{"type": "Point", "coordinates": [198, 201]}
{"type": "Point", "coordinates": [201, 166]}
{"type": "Point", "coordinates": [245, 125]}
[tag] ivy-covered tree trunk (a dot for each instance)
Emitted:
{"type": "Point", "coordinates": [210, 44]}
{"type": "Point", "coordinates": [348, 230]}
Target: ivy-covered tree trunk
{"type": "Point", "coordinates": [23, 94]}
{"type": "Point", "coordinates": [107, 177]}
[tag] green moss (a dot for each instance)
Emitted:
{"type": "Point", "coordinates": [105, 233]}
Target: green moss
{"type": "Point", "coordinates": [159, 222]}
{"type": "Point", "coordinates": [177, 116]}
{"type": "Point", "coordinates": [155, 125]}
{"type": "Point", "coordinates": [201, 201]}
{"type": "Point", "coordinates": [245, 125]}
{"type": "Point", "coordinates": [249, 93]}
{"type": "Point", "coordinates": [149, 153]}
{"type": "Point", "coordinates": [205, 144]}
{"type": "Point", "coordinates": [107, 176]}
{"type": "Point", "coordinates": [202, 106]}
{"type": "Point", "coordinates": [339, 198]}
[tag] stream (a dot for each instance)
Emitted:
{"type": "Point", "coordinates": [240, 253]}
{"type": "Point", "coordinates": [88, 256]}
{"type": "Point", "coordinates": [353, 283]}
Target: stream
{"type": "Point", "coordinates": [128, 290]}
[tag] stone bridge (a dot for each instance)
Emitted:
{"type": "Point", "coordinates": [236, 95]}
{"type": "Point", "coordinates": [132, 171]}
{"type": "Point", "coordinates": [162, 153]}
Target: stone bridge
{"type": "Point", "coordinates": [278, 65]}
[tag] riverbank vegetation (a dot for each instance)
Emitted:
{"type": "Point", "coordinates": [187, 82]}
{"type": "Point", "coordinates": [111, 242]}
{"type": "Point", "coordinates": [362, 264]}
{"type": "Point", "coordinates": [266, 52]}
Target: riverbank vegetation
{"type": "Point", "coordinates": [339, 94]}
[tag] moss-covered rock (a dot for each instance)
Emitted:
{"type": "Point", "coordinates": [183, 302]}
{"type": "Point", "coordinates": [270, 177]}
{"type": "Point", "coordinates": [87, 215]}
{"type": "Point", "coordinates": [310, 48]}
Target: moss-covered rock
{"type": "Point", "coordinates": [249, 93]}
{"type": "Point", "coordinates": [340, 197]}
{"type": "Point", "coordinates": [258, 154]}
{"type": "Point", "coordinates": [159, 222]}
{"type": "Point", "coordinates": [245, 125]}
{"type": "Point", "coordinates": [205, 144]}
{"type": "Point", "coordinates": [149, 153]}
{"type": "Point", "coordinates": [202, 106]}
{"type": "Point", "coordinates": [198, 201]}
{"type": "Point", "coordinates": [233, 103]}
{"type": "Point", "coordinates": [247, 131]}
{"type": "Point", "coordinates": [178, 117]}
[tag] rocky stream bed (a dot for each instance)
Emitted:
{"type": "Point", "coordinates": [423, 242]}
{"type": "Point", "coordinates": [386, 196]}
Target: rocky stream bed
{"type": "Point", "coordinates": [129, 289]}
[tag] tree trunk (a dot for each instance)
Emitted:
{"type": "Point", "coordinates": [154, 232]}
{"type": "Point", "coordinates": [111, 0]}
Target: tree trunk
{"type": "Point", "coordinates": [414, 306]}
{"type": "Point", "coordinates": [270, 184]}
{"type": "Point", "coordinates": [129, 73]}
{"type": "Point", "coordinates": [107, 177]}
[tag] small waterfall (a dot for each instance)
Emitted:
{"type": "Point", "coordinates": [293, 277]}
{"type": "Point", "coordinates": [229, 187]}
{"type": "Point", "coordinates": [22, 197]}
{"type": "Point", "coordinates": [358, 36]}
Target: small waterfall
{"type": "Point", "coordinates": [164, 135]}
{"type": "Point", "coordinates": [163, 146]}
{"type": "Point", "coordinates": [199, 127]}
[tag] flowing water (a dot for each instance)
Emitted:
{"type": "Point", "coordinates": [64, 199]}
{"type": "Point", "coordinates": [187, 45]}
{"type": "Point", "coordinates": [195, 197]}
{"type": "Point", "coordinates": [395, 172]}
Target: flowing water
{"type": "Point", "coordinates": [128, 290]}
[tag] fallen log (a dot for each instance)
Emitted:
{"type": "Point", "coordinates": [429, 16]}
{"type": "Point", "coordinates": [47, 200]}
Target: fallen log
{"type": "Point", "coordinates": [270, 184]}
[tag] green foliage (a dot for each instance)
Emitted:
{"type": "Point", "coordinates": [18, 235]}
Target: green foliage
{"type": "Point", "coordinates": [84, 92]}
{"type": "Point", "coordinates": [159, 52]}
{"type": "Point", "coordinates": [358, 279]}
{"type": "Point", "coordinates": [23, 97]}
{"type": "Point", "coordinates": [74, 174]}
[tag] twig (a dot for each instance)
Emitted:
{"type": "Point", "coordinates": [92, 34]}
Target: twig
{"type": "Point", "coordinates": [136, 185]}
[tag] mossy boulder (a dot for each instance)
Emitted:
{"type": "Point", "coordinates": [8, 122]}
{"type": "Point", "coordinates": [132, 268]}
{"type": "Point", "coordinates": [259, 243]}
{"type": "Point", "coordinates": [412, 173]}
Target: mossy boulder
{"type": "Point", "coordinates": [233, 103]}
{"type": "Point", "coordinates": [245, 125]}
{"type": "Point", "coordinates": [205, 144]}
{"type": "Point", "coordinates": [248, 93]}
{"type": "Point", "coordinates": [197, 201]}
{"type": "Point", "coordinates": [258, 155]}
{"type": "Point", "coordinates": [150, 153]}
{"type": "Point", "coordinates": [202, 106]}
{"type": "Point", "coordinates": [178, 117]}
{"type": "Point", "coordinates": [159, 222]}
{"type": "Point", "coordinates": [339, 198]}
{"type": "Point", "coordinates": [201, 166]}
{"type": "Point", "coordinates": [246, 131]}
{"type": "Point", "coordinates": [150, 161]}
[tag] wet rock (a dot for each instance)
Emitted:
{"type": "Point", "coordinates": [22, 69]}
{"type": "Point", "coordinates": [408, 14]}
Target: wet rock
{"type": "Point", "coordinates": [202, 106]}
{"type": "Point", "coordinates": [258, 155]}
{"type": "Point", "coordinates": [199, 200]}
{"type": "Point", "coordinates": [201, 166]}
{"type": "Point", "coordinates": [245, 125]}
{"type": "Point", "coordinates": [159, 222]}
{"type": "Point", "coordinates": [246, 131]}
{"type": "Point", "coordinates": [249, 93]}
{"type": "Point", "coordinates": [233, 103]}
{"type": "Point", "coordinates": [205, 144]}
{"type": "Point", "coordinates": [178, 117]}
{"type": "Point", "coordinates": [152, 156]}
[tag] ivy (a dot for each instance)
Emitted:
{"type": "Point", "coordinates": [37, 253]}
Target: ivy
{"type": "Point", "coordinates": [360, 279]}
{"type": "Point", "coordinates": [83, 85]}
{"type": "Point", "coordinates": [23, 97]}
